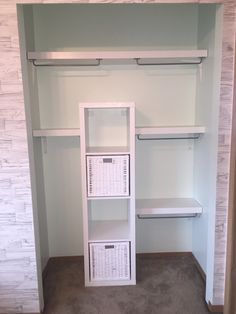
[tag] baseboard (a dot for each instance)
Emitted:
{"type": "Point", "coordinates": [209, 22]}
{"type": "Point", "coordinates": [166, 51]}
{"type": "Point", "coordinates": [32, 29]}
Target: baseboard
{"type": "Point", "coordinates": [199, 268]}
{"type": "Point", "coordinates": [215, 308]}
{"type": "Point", "coordinates": [45, 270]}
{"type": "Point", "coordinates": [211, 308]}
{"type": "Point", "coordinates": [68, 258]}
{"type": "Point", "coordinates": [163, 254]}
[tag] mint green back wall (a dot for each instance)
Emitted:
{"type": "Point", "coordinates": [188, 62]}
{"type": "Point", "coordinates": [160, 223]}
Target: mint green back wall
{"type": "Point", "coordinates": [163, 96]}
{"type": "Point", "coordinates": [63, 27]}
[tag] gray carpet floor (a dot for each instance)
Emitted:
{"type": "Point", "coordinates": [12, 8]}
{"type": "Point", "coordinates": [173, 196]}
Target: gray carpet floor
{"type": "Point", "coordinates": [165, 285]}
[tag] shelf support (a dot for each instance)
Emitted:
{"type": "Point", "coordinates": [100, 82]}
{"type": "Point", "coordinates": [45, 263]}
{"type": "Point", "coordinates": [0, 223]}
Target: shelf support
{"type": "Point", "coordinates": [45, 144]}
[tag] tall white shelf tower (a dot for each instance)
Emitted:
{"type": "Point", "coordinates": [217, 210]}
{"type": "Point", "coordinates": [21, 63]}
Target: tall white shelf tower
{"type": "Point", "coordinates": [107, 135]}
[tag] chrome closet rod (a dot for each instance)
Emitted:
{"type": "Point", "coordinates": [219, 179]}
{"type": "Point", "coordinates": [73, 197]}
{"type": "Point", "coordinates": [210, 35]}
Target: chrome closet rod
{"type": "Point", "coordinates": [167, 216]}
{"type": "Point", "coordinates": [137, 60]}
{"type": "Point", "coordinates": [34, 61]}
{"type": "Point", "coordinates": [166, 138]}
{"type": "Point", "coordinates": [168, 63]}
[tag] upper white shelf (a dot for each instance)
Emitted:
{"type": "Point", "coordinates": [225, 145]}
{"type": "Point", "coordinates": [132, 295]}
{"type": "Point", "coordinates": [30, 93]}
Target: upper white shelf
{"type": "Point", "coordinates": [167, 207]}
{"type": "Point", "coordinates": [169, 132]}
{"type": "Point", "coordinates": [145, 132]}
{"type": "Point", "coordinates": [75, 57]}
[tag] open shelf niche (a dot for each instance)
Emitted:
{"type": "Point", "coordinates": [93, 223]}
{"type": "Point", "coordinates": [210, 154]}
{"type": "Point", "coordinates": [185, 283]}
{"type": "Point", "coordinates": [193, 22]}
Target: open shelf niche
{"type": "Point", "coordinates": [168, 208]}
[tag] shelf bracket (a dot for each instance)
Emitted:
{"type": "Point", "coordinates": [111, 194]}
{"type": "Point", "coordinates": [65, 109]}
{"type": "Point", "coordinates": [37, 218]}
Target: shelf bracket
{"type": "Point", "coordinates": [44, 144]}
{"type": "Point", "coordinates": [199, 61]}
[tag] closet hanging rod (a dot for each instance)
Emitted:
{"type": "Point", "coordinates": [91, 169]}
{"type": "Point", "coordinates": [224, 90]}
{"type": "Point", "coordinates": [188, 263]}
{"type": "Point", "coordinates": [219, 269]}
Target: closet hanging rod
{"type": "Point", "coordinates": [200, 59]}
{"type": "Point", "coordinates": [98, 62]}
{"type": "Point", "coordinates": [167, 138]}
{"type": "Point", "coordinates": [156, 216]}
{"type": "Point", "coordinates": [152, 57]}
{"type": "Point", "coordinates": [41, 64]}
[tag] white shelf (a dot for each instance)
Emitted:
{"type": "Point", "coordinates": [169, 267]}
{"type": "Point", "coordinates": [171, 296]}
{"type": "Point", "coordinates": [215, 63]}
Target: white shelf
{"type": "Point", "coordinates": [91, 198]}
{"type": "Point", "coordinates": [110, 150]}
{"type": "Point", "coordinates": [107, 105]}
{"type": "Point", "coordinates": [109, 230]}
{"type": "Point", "coordinates": [170, 131]}
{"type": "Point", "coordinates": [75, 57]}
{"type": "Point", "coordinates": [56, 132]}
{"type": "Point", "coordinates": [167, 207]}
{"type": "Point", "coordinates": [141, 131]}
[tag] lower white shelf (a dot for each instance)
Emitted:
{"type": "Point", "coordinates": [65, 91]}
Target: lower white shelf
{"type": "Point", "coordinates": [109, 230]}
{"type": "Point", "coordinates": [168, 207]}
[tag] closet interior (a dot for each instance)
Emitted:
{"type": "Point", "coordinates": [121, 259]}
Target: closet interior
{"type": "Point", "coordinates": [163, 58]}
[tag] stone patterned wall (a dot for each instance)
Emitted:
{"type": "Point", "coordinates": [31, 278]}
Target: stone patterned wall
{"type": "Point", "coordinates": [224, 141]}
{"type": "Point", "coordinates": [18, 273]}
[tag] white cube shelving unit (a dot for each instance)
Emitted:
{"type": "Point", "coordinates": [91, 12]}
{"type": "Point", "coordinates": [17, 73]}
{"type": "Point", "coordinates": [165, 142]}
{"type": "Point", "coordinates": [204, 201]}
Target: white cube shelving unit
{"type": "Point", "coordinates": [108, 186]}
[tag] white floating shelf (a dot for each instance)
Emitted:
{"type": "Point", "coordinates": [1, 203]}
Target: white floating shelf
{"type": "Point", "coordinates": [146, 132]}
{"type": "Point", "coordinates": [49, 57]}
{"type": "Point", "coordinates": [167, 207]}
{"type": "Point", "coordinates": [107, 150]}
{"type": "Point", "coordinates": [56, 132]}
{"type": "Point", "coordinates": [114, 230]}
{"type": "Point", "coordinates": [108, 198]}
{"type": "Point", "coordinates": [170, 131]}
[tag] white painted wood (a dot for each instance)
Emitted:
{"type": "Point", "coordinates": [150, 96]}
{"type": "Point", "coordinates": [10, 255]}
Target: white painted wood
{"type": "Point", "coordinates": [119, 150]}
{"type": "Point", "coordinates": [109, 197]}
{"type": "Point", "coordinates": [168, 206]}
{"type": "Point", "coordinates": [133, 54]}
{"type": "Point", "coordinates": [101, 105]}
{"type": "Point", "coordinates": [161, 130]}
{"type": "Point", "coordinates": [111, 283]}
{"type": "Point", "coordinates": [56, 132]}
{"type": "Point", "coordinates": [107, 230]}
{"type": "Point", "coordinates": [102, 231]}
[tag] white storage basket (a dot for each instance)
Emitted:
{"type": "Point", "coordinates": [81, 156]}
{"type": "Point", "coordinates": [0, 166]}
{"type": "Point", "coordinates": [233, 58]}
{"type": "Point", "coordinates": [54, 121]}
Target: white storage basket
{"type": "Point", "coordinates": [108, 175]}
{"type": "Point", "coordinates": [109, 261]}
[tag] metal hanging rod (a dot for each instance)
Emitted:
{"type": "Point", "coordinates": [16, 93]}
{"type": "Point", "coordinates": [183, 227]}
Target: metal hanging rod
{"type": "Point", "coordinates": [168, 216]}
{"type": "Point", "coordinates": [166, 138]}
{"type": "Point", "coordinates": [200, 59]}
{"type": "Point", "coordinates": [142, 58]}
{"type": "Point", "coordinates": [35, 63]}
{"type": "Point", "coordinates": [98, 62]}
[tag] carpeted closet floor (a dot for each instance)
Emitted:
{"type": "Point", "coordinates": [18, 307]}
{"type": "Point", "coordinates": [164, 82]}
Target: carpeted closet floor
{"type": "Point", "coordinates": [165, 285]}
